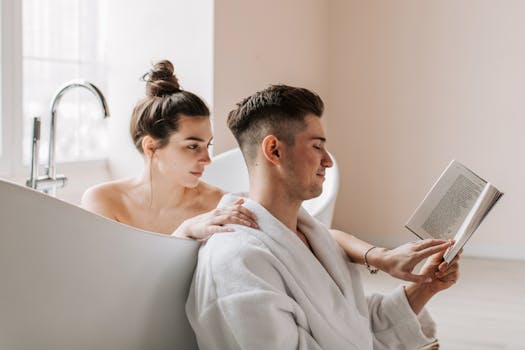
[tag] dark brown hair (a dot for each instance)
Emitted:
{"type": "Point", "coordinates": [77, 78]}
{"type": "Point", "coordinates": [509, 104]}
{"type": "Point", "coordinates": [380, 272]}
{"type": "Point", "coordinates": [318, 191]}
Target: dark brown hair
{"type": "Point", "coordinates": [158, 114]}
{"type": "Point", "coordinates": [278, 110]}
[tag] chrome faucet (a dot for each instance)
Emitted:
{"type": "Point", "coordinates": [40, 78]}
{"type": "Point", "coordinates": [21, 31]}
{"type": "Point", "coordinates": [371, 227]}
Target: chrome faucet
{"type": "Point", "coordinates": [51, 180]}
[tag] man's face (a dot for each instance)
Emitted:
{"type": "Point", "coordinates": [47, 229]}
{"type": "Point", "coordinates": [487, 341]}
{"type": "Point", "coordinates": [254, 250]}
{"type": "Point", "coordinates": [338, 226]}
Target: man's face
{"type": "Point", "coordinates": [306, 161]}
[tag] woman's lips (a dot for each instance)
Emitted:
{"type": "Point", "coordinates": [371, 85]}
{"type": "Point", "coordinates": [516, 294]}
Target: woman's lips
{"type": "Point", "coordinates": [196, 173]}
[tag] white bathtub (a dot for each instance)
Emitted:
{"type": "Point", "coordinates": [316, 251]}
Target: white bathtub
{"type": "Point", "coordinates": [70, 279]}
{"type": "Point", "coordinates": [228, 171]}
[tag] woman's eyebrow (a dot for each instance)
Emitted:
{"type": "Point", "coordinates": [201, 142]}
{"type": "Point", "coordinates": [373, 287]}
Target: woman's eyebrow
{"type": "Point", "coordinates": [193, 138]}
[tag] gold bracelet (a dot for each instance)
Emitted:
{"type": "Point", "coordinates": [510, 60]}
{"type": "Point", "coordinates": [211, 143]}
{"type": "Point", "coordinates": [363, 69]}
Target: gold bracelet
{"type": "Point", "coordinates": [371, 269]}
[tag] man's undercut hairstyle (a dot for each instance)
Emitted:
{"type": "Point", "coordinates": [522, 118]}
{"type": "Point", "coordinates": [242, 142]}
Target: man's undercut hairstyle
{"type": "Point", "coordinates": [279, 110]}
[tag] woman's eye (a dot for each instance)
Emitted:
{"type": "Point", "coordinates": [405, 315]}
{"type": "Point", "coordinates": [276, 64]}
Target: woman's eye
{"type": "Point", "coordinates": [193, 147]}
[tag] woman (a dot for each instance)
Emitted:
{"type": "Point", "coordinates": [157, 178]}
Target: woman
{"type": "Point", "coordinates": [171, 128]}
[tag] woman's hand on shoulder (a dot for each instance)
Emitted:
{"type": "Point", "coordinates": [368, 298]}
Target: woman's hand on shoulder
{"type": "Point", "coordinates": [204, 225]}
{"type": "Point", "coordinates": [401, 261]}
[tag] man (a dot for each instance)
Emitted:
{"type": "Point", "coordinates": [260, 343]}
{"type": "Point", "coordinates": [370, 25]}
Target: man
{"type": "Point", "coordinates": [287, 285]}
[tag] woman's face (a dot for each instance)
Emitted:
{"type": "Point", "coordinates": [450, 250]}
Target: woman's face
{"type": "Point", "coordinates": [186, 155]}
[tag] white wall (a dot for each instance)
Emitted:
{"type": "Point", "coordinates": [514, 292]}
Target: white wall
{"type": "Point", "coordinates": [414, 84]}
{"type": "Point", "coordinates": [139, 34]}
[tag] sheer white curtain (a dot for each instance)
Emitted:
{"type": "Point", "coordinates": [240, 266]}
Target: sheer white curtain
{"type": "Point", "coordinates": [63, 40]}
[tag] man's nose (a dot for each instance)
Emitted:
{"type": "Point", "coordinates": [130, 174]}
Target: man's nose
{"type": "Point", "coordinates": [327, 161]}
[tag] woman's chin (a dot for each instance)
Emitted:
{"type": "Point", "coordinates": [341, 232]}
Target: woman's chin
{"type": "Point", "coordinates": [192, 183]}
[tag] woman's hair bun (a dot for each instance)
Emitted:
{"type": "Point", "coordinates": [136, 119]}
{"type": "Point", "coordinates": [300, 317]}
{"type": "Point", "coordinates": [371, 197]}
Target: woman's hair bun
{"type": "Point", "coordinates": [160, 80]}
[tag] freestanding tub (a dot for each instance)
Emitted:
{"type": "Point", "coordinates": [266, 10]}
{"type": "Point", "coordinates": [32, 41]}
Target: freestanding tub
{"type": "Point", "coordinates": [229, 172]}
{"type": "Point", "coordinates": [70, 279]}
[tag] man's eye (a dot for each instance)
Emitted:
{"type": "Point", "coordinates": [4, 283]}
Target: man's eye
{"type": "Point", "coordinates": [317, 147]}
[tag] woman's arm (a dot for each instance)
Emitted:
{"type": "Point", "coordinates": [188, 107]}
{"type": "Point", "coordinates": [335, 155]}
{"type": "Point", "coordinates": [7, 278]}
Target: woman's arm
{"type": "Point", "coordinates": [399, 262]}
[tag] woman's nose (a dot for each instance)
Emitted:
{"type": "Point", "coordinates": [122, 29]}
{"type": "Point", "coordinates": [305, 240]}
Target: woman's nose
{"type": "Point", "coordinates": [206, 157]}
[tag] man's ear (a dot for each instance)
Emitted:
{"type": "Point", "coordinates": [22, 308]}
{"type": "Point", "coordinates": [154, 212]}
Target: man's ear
{"type": "Point", "coordinates": [272, 149]}
{"type": "Point", "coordinates": [149, 146]}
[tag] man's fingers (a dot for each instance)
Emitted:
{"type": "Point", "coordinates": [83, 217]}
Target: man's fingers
{"type": "Point", "coordinates": [425, 253]}
{"type": "Point", "coordinates": [416, 278]}
{"type": "Point", "coordinates": [453, 268]}
{"type": "Point", "coordinates": [426, 243]}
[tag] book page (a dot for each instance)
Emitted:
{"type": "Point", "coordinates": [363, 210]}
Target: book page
{"type": "Point", "coordinates": [447, 204]}
{"type": "Point", "coordinates": [487, 199]}
{"type": "Point", "coordinates": [452, 209]}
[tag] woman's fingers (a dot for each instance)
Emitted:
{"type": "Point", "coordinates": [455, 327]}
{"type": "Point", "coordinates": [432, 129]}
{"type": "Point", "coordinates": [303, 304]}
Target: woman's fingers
{"type": "Point", "coordinates": [239, 201]}
{"type": "Point", "coordinates": [233, 219]}
{"type": "Point", "coordinates": [247, 212]}
{"type": "Point", "coordinates": [212, 229]}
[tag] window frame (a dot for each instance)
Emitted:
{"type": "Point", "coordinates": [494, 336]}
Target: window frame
{"type": "Point", "coordinates": [11, 79]}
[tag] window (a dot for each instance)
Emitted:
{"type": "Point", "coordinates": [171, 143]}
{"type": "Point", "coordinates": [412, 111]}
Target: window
{"type": "Point", "coordinates": [62, 40]}
{"type": "Point", "coordinates": [46, 43]}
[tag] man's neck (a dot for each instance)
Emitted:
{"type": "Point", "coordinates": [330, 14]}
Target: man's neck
{"type": "Point", "coordinates": [278, 203]}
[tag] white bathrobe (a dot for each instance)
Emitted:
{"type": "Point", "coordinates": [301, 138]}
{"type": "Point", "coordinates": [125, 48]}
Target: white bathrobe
{"type": "Point", "coordinates": [264, 289]}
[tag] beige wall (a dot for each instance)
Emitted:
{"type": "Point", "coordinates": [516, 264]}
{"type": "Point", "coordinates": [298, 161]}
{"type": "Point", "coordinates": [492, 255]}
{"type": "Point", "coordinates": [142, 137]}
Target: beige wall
{"type": "Point", "coordinates": [413, 84]}
{"type": "Point", "coordinates": [409, 85]}
{"type": "Point", "coordinates": [258, 43]}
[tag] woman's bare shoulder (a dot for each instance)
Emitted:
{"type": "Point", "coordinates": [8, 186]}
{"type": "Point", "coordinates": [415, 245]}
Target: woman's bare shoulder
{"type": "Point", "coordinates": [210, 193]}
{"type": "Point", "coordinates": [106, 199]}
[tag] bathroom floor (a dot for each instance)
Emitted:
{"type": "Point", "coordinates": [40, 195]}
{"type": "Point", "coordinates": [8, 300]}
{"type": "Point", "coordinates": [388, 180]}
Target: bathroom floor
{"type": "Point", "coordinates": [484, 310]}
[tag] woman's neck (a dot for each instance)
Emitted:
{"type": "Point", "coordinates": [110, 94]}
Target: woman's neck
{"type": "Point", "coordinates": [159, 194]}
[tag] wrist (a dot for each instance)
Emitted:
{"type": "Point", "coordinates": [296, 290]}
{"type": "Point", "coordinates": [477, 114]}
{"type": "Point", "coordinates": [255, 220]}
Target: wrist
{"type": "Point", "coordinates": [376, 257]}
{"type": "Point", "coordinates": [417, 296]}
{"type": "Point", "coordinates": [183, 231]}
{"type": "Point", "coordinates": [421, 290]}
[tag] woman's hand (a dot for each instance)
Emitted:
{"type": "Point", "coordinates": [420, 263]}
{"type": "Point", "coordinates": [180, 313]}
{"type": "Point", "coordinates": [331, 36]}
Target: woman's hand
{"type": "Point", "coordinates": [203, 226]}
{"type": "Point", "coordinates": [401, 261]}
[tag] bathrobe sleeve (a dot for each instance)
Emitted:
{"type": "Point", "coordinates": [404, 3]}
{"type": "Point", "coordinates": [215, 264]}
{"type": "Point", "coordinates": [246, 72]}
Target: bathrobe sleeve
{"type": "Point", "coordinates": [394, 324]}
{"type": "Point", "coordinates": [238, 300]}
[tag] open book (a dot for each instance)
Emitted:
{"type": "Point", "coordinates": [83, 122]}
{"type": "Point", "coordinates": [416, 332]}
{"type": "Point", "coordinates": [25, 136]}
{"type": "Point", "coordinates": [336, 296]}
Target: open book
{"type": "Point", "coordinates": [454, 207]}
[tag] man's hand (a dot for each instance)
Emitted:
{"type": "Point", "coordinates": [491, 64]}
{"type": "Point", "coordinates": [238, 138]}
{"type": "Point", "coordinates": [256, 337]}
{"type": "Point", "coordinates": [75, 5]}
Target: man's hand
{"type": "Point", "coordinates": [401, 261]}
{"type": "Point", "coordinates": [444, 276]}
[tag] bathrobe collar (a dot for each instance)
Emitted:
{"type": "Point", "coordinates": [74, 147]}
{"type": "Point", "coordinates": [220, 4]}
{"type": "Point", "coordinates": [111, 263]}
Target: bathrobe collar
{"type": "Point", "coordinates": [332, 282]}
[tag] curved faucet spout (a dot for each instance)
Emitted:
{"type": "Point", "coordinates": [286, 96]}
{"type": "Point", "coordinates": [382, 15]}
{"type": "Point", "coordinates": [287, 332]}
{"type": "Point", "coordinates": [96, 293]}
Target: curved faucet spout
{"type": "Point", "coordinates": [51, 169]}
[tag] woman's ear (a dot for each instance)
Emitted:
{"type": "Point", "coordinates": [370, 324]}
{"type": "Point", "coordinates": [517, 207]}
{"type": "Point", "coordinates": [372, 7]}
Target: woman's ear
{"type": "Point", "coordinates": [272, 149]}
{"type": "Point", "coordinates": [149, 146]}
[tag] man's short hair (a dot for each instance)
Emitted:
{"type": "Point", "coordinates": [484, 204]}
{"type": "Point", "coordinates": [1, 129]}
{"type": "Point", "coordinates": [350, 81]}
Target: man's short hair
{"type": "Point", "coordinates": [278, 110]}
